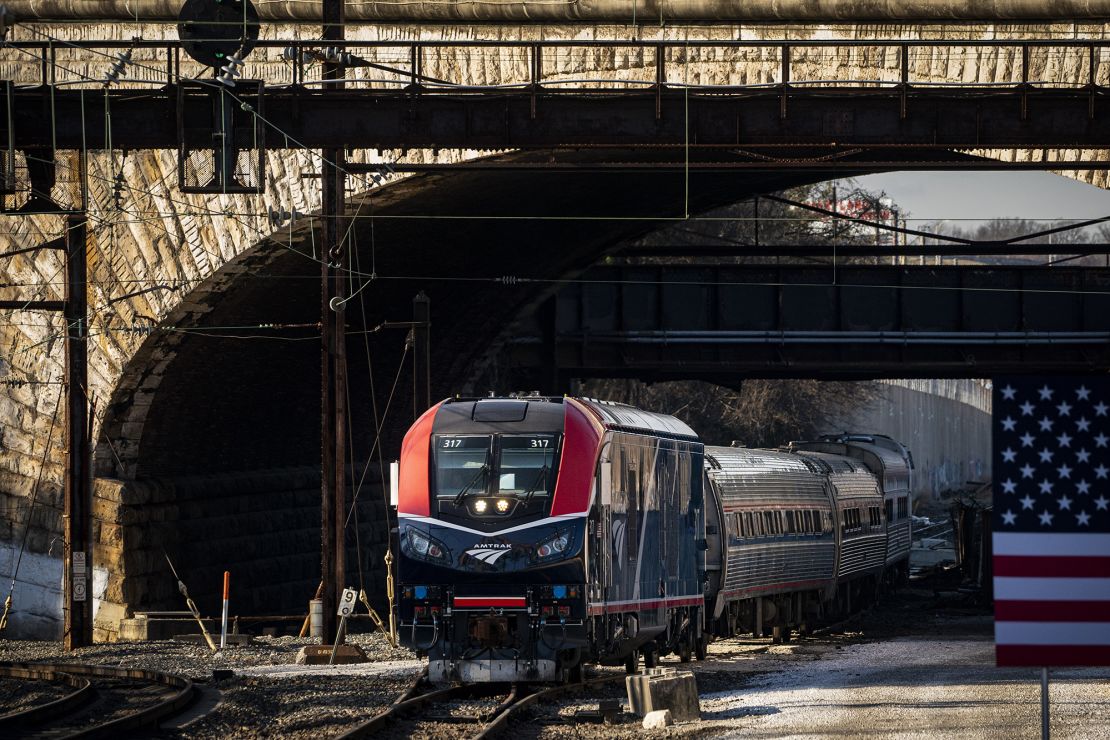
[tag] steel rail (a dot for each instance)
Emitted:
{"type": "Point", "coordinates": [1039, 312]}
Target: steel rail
{"type": "Point", "coordinates": [500, 723]}
{"type": "Point", "coordinates": [82, 694]}
{"type": "Point", "coordinates": [183, 693]}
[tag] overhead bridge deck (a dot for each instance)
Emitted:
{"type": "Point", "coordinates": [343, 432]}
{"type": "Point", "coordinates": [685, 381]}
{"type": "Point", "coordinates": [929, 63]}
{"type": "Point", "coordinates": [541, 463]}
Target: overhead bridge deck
{"type": "Point", "coordinates": [721, 322]}
{"type": "Point", "coordinates": [396, 105]}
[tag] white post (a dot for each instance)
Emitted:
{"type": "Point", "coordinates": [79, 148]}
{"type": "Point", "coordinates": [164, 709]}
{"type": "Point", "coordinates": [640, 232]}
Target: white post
{"type": "Point", "coordinates": [223, 619]}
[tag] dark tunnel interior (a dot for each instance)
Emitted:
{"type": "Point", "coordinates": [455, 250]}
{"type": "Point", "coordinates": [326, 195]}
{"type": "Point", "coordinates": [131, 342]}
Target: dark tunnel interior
{"type": "Point", "coordinates": [235, 426]}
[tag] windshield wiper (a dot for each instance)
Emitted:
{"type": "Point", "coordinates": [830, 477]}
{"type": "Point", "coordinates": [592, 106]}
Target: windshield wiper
{"type": "Point", "coordinates": [542, 477]}
{"type": "Point", "coordinates": [460, 497]}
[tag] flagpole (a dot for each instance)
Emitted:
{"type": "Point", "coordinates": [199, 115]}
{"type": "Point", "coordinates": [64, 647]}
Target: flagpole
{"type": "Point", "coordinates": [1044, 703]}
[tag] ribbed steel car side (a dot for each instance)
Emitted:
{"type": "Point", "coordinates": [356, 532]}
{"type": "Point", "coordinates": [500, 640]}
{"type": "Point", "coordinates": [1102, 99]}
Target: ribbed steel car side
{"type": "Point", "coordinates": [762, 560]}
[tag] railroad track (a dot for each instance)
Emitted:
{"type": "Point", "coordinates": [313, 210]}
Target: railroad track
{"type": "Point", "coordinates": [461, 710]}
{"type": "Point", "coordinates": [101, 701]}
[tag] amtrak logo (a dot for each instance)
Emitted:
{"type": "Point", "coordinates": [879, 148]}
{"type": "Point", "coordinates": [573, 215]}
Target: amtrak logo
{"type": "Point", "coordinates": [490, 552]}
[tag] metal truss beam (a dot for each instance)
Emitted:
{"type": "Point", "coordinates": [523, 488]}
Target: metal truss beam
{"type": "Point", "coordinates": [713, 321]}
{"type": "Point", "coordinates": [842, 118]}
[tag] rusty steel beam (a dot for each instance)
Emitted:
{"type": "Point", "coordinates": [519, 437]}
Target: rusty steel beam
{"type": "Point", "coordinates": [594, 11]}
{"type": "Point", "coordinates": [845, 118]}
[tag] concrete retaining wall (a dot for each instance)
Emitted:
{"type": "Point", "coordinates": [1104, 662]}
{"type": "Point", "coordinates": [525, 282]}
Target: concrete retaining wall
{"type": "Point", "coordinates": [945, 423]}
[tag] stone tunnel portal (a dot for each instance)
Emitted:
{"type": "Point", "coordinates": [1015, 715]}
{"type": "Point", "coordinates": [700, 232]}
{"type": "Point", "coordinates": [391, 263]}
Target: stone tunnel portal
{"type": "Point", "coordinates": [211, 447]}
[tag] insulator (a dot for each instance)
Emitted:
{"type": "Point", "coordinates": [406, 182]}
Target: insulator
{"type": "Point", "coordinates": [230, 71]}
{"type": "Point", "coordinates": [117, 191]}
{"type": "Point", "coordinates": [119, 68]}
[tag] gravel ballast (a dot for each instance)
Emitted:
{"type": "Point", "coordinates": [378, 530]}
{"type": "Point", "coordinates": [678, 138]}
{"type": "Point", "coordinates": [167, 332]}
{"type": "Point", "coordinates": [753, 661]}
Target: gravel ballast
{"type": "Point", "coordinates": [911, 668]}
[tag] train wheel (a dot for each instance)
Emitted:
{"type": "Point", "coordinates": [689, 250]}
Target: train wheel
{"type": "Point", "coordinates": [701, 648]}
{"type": "Point", "coordinates": [651, 656]}
{"type": "Point", "coordinates": [632, 663]}
{"type": "Point", "coordinates": [574, 675]}
{"type": "Point", "coordinates": [684, 651]}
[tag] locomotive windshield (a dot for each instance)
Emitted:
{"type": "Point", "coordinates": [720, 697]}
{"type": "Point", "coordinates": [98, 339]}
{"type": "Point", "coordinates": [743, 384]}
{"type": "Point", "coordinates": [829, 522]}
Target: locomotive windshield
{"type": "Point", "coordinates": [462, 464]}
{"type": "Point", "coordinates": [526, 465]}
{"type": "Point", "coordinates": [489, 477]}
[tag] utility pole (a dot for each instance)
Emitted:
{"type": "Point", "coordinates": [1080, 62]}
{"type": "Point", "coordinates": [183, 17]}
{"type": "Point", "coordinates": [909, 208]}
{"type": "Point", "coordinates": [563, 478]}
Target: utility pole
{"type": "Point", "coordinates": [78, 481]}
{"type": "Point", "coordinates": [421, 353]}
{"type": "Point", "coordinates": [333, 483]}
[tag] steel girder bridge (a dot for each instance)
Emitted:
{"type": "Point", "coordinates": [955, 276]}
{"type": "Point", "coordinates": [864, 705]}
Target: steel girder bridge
{"type": "Point", "coordinates": [895, 121]}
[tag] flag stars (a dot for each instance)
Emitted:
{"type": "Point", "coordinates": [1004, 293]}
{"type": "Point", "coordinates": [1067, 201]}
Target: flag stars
{"type": "Point", "coordinates": [1102, 471]}
{"type": "Point", "coordinates": [1082, 424]}
{"type": "Point", "coordinates": [1045, 393]}
{"type": "Point", "coordinates": [1027, 409]}
{"type": "Point", "coordinates": [1046, 486]}
{"type": "Point", "coordinates": [1101, 440]}
{"type": "Point", "coordinates": [1027, 440]}
{"type": "Point", "coordinates": [1009, 518]}
{"type": "Point", "coordinates": [1063, 471]}
{"type": "Point", "coordinates": [1009, 486]}
{"type": "Point", "coordinates": [1009, 424]}
{"type": "Point", "coordinates": [1063, 502]}
{"type": "Point", "coordinates": [1009, 392]}
{"type": "Point", "coordinates": [1046, 518]}
{"type": "Point", "coordinates": [1083, 392]}
{"type": "Point", "coordinates": [1009, 455]}
{"type": "Point", "coordinates": [1083, 487]}
{"type": "Point", "coordinates": [1027, 502]}
{"type": "Point", "coordinates": [1064, 440]}
{"type": "Point", "coordinates": [1101, 409]}
{"type": "Point", "coordinates": [1046, 455]}
{"type": "Point", "coordinates": [1102, 503]}
{"type": "Point", "coordinates": [1046, 424]}
{"type": "Point", "coordinates": [1027, 471]}
{"type": "Point", "coordinates": [1063, 408]}
{"type": "Point", "coordinates": [1083, 456]}
{"type": "Point", "coordinates": [1083, 519]}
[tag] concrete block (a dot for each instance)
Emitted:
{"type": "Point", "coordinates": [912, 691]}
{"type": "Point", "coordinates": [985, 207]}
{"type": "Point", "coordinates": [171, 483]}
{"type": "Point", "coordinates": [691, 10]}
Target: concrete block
{"type": "Point", "coordinates": [143, 628]}
{"type": "Point", "coordinates": [658, 719]}
{"type": "Point", "coordinates": [320, 654]}
{"type": "Point", "coordinates": [664, 688]}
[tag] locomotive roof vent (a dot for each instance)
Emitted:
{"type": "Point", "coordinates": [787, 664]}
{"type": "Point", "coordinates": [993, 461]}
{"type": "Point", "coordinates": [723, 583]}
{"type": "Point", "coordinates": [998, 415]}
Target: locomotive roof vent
{"type": "Point", "coordinates": [499, 410]}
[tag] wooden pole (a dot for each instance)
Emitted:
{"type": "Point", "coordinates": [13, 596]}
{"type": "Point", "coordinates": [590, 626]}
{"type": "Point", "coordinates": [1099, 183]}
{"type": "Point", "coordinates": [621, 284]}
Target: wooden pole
{"type": "Point", "coordinates": [77, 562]}
{"type": "Point", "coordinates": [333, 486]}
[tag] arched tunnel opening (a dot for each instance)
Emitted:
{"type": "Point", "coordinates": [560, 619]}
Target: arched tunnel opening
{"type": "Point", "coordinates": [211, 448]}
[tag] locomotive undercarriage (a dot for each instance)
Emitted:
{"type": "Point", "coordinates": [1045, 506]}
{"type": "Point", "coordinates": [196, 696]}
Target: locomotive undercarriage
{"type": "Point", "coordinates": [618, 638]}
{"type": "Point", "coordinates": [504, 646]}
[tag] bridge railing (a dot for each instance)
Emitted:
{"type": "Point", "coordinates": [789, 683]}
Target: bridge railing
{"type": "Point", "coordinates": [610, 66]}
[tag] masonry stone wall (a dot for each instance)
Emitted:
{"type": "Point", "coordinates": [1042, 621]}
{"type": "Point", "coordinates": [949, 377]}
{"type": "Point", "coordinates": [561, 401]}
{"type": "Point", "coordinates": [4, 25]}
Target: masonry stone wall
{"type": "Point", "coordinates": [263, 527]}
{"type": "Point", "coordinates": [165, 258]}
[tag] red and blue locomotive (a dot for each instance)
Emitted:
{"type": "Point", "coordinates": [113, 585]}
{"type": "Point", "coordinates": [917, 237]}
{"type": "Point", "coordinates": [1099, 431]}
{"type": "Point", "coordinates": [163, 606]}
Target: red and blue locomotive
{"type": "Point", "coordinates": [538, 534]}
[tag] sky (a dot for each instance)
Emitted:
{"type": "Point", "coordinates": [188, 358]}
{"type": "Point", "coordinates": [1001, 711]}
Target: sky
{"type": "Point", "coordinates": [934, 196]}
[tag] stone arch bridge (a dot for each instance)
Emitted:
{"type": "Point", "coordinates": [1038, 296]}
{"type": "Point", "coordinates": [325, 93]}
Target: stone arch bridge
{"type": "Point", "coordinates": [203, 309]}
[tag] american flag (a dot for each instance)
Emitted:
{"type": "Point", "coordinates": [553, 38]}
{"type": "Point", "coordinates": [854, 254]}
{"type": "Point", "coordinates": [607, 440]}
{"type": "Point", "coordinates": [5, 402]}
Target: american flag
{"type": "Point", "coordinates": [1052, 521]}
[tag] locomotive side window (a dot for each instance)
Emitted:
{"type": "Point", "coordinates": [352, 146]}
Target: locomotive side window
{"type": "Point", "coordinates": [527, 464]}
{"type": "Point", "coordinates": [462, 464]}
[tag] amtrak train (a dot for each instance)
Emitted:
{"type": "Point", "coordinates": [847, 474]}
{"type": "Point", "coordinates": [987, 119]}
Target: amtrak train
{"type": "Point", "coordinates": [539, 534]}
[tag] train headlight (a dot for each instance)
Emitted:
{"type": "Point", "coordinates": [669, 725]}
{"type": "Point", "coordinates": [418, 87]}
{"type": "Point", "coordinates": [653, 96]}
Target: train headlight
{"type": "Point", "coordinates": [502, 505]}
{"type": "Point", "coordinates": [480, 506]}
{"type": "Point", "coordinates": [424, 546]}
{"type": "Point", "coordinates": [553, 546]}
